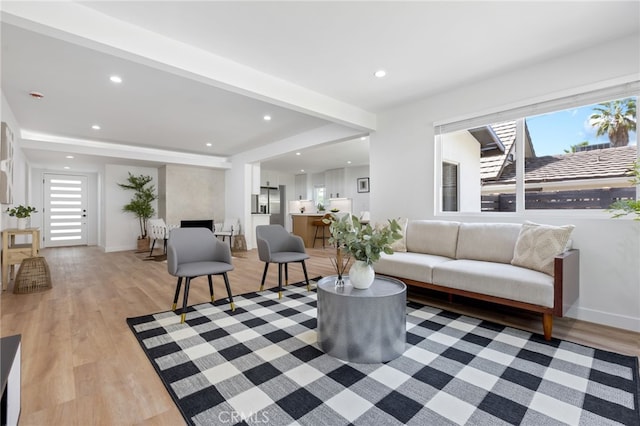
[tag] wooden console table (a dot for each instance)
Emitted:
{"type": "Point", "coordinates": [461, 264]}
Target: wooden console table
{"type": "Point", "coordinates": [13, 253]}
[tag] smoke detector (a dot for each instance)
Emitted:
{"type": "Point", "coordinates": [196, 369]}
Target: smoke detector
{"type": "Point", "coordinates": [36, 95]}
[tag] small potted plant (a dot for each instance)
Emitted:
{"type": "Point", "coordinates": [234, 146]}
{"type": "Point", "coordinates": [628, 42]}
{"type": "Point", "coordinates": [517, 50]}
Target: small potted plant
{"type": "Point", "coordinates": [363, 243]}
{"type": "Point", "coordinates": [23, 213]}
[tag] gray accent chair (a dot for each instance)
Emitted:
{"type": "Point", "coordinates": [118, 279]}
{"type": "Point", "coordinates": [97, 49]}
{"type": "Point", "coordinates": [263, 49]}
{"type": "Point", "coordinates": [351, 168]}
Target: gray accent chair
{"type": "Point", "coordinates": [195, 252]}
{"type": "Point", "coordinates": [276, 245]}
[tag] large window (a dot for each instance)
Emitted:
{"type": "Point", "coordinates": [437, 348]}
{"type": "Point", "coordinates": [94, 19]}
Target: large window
{"type": "Point", "coordinates": [579, 157]}
{"type": "Point", "coordinates": [319, 196]}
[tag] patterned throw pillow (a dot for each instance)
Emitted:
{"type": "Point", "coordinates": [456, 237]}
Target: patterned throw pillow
{"type": "Point", "coordinates": [538, 245]}
{"type": "Point", "coordinates": [401, 244]}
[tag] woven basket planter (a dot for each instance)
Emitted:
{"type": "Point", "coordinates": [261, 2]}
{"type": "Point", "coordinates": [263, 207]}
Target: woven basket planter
{"type": "Point", "coordinates": [33, 276]}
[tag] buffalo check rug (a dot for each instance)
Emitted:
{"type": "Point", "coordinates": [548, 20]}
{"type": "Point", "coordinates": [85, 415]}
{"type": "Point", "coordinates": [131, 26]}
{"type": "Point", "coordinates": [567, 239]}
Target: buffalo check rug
{"type": "Point", "coordinates": [261, 365]}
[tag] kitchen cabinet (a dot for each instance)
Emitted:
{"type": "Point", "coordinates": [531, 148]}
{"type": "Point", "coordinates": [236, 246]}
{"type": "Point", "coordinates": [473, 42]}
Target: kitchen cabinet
{"type": "Point", "coordinates": [301, 187]}
{"type": "Point", "coordinates": [334, 183]}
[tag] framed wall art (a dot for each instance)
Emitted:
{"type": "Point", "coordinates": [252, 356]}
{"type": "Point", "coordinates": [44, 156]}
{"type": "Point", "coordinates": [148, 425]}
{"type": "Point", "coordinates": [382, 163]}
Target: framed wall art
{"type": "Point", "coordinates": [363, 184]}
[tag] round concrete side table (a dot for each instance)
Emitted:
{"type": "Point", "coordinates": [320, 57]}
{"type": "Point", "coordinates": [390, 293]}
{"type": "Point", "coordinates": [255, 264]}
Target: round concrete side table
{"type": "Point", "coordinates": [363, 326]}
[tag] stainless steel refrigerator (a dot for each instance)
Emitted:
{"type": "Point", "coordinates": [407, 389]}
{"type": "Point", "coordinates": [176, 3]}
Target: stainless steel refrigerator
{"type": "Point", "coordinates": [269, 201]}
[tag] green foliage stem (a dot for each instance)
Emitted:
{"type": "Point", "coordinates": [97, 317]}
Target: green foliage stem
{"type": "Point", "coordinates": [21, 211]}
{"type": "Point", "coordinates": [624, 207]}
{"type": "Point", "coordinates": [363, 242]}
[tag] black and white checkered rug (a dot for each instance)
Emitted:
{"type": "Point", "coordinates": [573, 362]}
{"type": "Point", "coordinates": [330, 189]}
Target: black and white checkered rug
{"type": "Point", "coordinates": [261, 365]}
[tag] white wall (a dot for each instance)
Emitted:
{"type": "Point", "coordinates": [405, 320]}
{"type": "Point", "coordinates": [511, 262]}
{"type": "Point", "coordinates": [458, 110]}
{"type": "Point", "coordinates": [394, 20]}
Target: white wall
{"type": "Point", "coordinates": [193, 193]}
{"type": "Point", "coordinates": [610, 249]}
{"type": "Point", "coordinates": [121, 229]}
{"type": "Point", "coordinates": [464, 150]}
{"type": "Point", "coordinates": [21, 178]}
{"type": "Point", "coordinates": [20, 169]}
{"type": "Point", "coordinates": [360, 199]}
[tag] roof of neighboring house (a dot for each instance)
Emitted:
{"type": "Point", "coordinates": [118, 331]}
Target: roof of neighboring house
{"type": "Point", "coordinates": [492, 164]}
{"type": "Point", "coordinates": [599, 163]}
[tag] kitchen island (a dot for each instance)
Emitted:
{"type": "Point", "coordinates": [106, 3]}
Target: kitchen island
{"type": "Point", "coordinates": [302, 225]}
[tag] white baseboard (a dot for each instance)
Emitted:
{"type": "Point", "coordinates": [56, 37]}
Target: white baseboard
{"type": "Point", "coordinates": [120, 248]}
{"type": "Point", "coordinates": [605, 318]}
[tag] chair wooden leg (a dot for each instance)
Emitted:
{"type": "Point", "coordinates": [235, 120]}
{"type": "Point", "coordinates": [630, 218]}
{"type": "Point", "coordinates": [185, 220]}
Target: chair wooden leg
{"type": "Point", "coordinates": [213, 299]}
{"type": "Point", "coordinates": [306, 277]}
{"type": "Point", "coordinates": [175, 298]}
{"type": "Point", "coordinates": [184, 300]}
{"type": "Point", "coordinates": [547, 325]}
{"type": "Point", "coordinates": [279, 280]}
{"type": "Point", "coordinates": [153, 244]}
{"type": "Point", "coordinates": [264, 275]}
{"type": "Point", "coordinates": [226, 283]}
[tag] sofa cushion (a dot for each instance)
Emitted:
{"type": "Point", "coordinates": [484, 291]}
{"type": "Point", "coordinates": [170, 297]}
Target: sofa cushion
{"type": "Point", "coordinates": [496, 279]}
{"type": "Point", "coordinates": [413, 266]}
{"type": "Point", "coordinates": [401, 244]}
{"type": "Point", "coordinates": [538, 245]}
{"type": "Point", "coordinates": [491, 242]}
{"type": "Point", "coordinates": [437, 237]}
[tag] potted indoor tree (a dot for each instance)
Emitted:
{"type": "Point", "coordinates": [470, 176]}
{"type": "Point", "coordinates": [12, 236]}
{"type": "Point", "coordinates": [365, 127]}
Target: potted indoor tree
{"type": "Point", "coordinates": [144, 193]}
{"type": "Point", "coordinates": [23, 213]}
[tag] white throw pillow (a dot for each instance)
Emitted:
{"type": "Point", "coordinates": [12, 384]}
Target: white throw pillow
{"type": "Point", "coordinates": [538, 245]}
{"type": "Point", "coordinates": [401, 244]}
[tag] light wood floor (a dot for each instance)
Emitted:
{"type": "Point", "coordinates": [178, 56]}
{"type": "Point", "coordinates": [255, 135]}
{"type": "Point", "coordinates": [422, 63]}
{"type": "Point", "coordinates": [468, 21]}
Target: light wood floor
{"type": "Point", "coordinates": [81, 365]}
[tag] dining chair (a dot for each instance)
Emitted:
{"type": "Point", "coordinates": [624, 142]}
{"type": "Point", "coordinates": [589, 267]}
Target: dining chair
{"type": "Point", "coordinates": [157, 231]}
{"type": "Point", "coordinates": [276, 245]}
{"type": "Point", "coordinates": [228, 228]}
{"type": "Point", "coordinates": [195, 252]}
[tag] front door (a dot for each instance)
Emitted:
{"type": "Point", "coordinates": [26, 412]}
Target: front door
{"type": "Point", "coordinates": [65, 210]}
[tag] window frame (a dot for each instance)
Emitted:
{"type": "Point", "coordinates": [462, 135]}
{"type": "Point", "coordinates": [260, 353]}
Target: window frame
{"type": "Point", "coordinates": [619, 89]}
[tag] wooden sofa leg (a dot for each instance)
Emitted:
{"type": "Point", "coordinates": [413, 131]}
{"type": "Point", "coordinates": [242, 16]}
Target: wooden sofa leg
{"type": "Point", "coordinates": [547, 325]}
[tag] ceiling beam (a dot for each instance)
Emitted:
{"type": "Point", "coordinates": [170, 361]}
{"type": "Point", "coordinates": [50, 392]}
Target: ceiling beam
{"type": "Point", "coordinates": [87, 27]}
{"type": "Point", "coordinates": [33, 140]}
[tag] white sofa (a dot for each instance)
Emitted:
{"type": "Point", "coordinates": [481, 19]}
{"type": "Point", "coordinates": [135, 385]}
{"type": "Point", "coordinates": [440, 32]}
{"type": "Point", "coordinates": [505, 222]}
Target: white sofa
{"type": "Point", "coordinates": [475, 260]}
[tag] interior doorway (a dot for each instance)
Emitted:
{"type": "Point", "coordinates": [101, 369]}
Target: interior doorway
{"type": "Point", "coordinates": [65, 210]}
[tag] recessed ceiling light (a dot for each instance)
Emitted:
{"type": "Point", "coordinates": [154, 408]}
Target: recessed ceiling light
{"type": "Point", "coordinates": [302, 170]}
{"type": "Point", "coordinates": [297, 153]}
{"type": "Point", "coordinates": [267, 118]}
{"type": "Point", "coordinates": [95, 127]}
{"type": "Point", "coordinates": [209, 144]}
{"type": "Point", "coordinates": [69, 156]}
{"type": "Point", "coordinates": [363, 138]}
{"type": "Point", "coordinates": [380, 73]}
{"type": "Point", "coordinates": [349, 162]}
{"type": "Point", "coordinates": [67, 167]}
{"type": "Point", "coordinates": [115, 79]}
{"type": "Point", "coordinates": [36, 95]}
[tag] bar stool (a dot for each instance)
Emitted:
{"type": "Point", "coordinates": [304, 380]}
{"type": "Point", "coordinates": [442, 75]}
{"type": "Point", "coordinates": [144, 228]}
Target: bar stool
{"type": "Point", "coordinates": [319, 223]}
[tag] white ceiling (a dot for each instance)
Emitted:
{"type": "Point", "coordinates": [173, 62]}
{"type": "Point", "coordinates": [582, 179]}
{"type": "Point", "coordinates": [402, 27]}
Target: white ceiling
{"type": "Point", "coordinates": [198, 72]}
